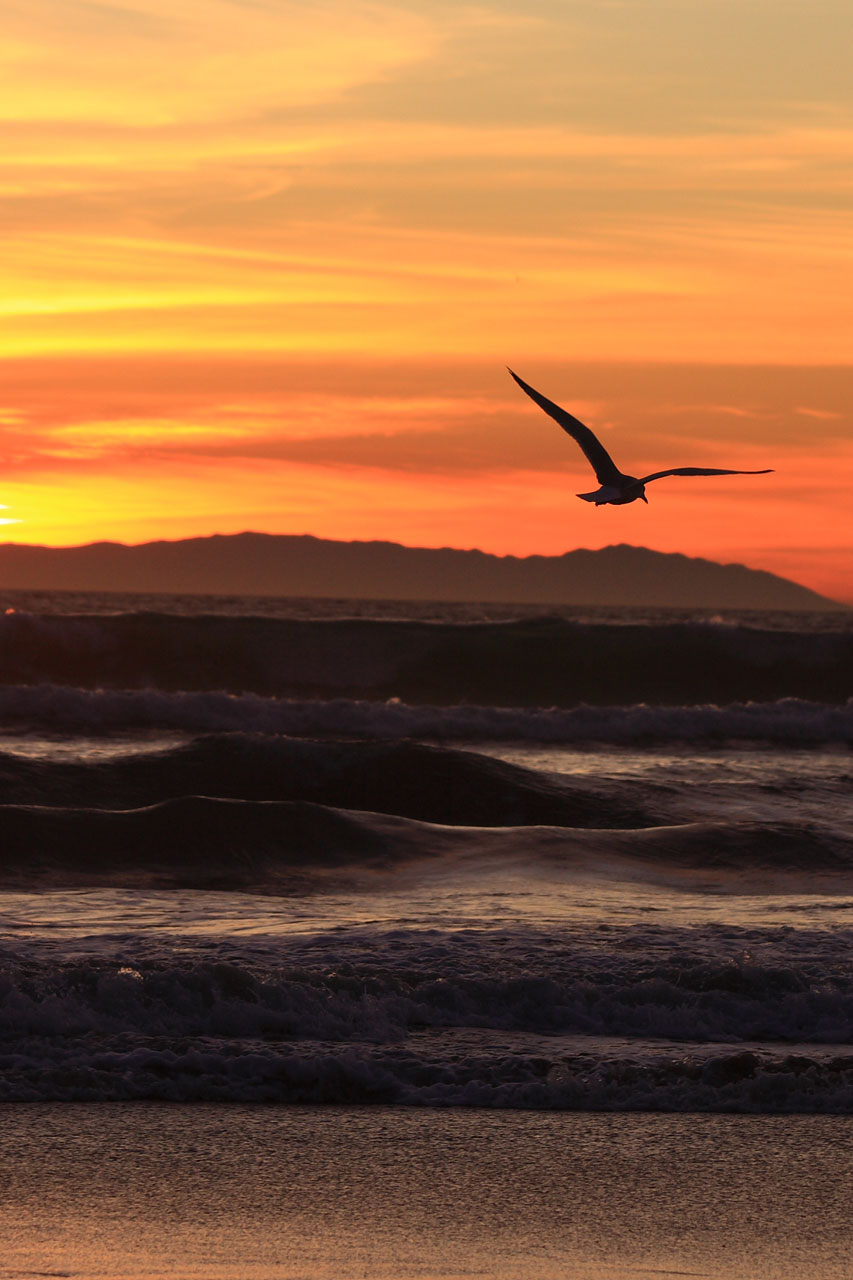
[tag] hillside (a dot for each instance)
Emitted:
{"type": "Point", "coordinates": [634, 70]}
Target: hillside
{"type": "Point", "coordinates": [277, 564]}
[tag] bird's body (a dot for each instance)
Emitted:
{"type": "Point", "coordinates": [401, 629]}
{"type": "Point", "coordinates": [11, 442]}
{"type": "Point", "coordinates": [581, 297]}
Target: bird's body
{"type": "Point", "coordinates": [611, 495]}
{"type": "Point", "coordinates": [617, 489]}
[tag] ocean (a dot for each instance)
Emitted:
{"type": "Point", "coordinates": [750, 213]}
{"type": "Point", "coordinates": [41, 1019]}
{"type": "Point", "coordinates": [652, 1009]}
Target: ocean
{"type": "Point", "coordinates": [554, 876]}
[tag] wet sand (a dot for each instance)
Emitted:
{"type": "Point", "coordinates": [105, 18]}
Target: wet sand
{"type": "Point", "coordinates": [237, 1193]}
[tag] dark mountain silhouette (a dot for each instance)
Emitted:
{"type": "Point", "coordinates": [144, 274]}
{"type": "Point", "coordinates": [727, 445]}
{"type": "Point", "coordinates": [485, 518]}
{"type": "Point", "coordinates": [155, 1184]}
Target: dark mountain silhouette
{"type": "Point", "coordinates": [286, 565]}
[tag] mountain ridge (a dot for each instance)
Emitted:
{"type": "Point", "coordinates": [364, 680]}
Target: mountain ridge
{"type": "Point", "coordinates": [265, 564]}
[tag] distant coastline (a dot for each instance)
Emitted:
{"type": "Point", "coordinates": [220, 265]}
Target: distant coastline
{"type": "Point", "coordinates": [301, 565]}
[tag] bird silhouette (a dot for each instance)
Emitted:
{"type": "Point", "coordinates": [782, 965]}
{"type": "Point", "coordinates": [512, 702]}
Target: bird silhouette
{"type": "Point", "coordinates": [617, 489]}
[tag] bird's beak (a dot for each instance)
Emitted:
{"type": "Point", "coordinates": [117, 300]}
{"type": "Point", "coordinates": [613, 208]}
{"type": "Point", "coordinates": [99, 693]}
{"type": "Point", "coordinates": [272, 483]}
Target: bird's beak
{"type": "Point", "coordinates": [645, 499]}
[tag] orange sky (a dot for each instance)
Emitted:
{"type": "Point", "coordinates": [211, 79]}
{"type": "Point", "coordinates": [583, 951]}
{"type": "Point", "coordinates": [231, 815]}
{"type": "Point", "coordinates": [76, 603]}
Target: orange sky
{"type": "Point", "coordinates": [264, 264]}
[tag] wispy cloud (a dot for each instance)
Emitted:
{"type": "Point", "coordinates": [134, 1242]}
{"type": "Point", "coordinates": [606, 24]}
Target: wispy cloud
{"type": "Point", "coordinates": [149, 64]}
{"type": "Point", "coordinates": [823, 415]}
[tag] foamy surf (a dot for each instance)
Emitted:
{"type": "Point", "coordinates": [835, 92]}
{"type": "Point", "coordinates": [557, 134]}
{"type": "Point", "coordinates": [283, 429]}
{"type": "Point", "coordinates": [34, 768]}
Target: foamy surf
{"type": "Point", "coordinates": [661, 1023]}
{"type": "Point", "coordinates": [785, 722]}
{"type": "Point", "coordinates": [426, 863]}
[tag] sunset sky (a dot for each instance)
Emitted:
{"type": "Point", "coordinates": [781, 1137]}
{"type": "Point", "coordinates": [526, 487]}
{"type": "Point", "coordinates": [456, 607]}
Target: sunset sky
{"type": "Point", "coordinates": [264, 265]}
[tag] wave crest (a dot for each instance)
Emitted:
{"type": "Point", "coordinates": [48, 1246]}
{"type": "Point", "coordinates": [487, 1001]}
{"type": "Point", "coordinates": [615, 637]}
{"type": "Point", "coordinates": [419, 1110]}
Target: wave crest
{"type": "Point", "coordinates": [538, 662]}
{"type": "Point", "coordinates": [200, 842]}
{"type": "Point", "coordinates": [787, 722]}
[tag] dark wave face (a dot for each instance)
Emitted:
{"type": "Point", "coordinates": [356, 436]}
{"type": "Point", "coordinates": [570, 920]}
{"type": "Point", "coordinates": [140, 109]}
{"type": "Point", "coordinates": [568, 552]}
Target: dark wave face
{"type": "Point", "coordinates": [545, 662]}
{"type": "Point", "coordinates": [512, 785]}
{"type": "Point", "coordinates": [414, 780]}
{"type": "Point", "coordinates": [285, 848]}
{"type": "Point", "coordinates": [275, 815]}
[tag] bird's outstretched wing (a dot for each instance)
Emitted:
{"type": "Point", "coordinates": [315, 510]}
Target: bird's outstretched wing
{"type": "Point", "coordinates": [602, 463]}
{"type": "Point", "coordinates": [700, 471]}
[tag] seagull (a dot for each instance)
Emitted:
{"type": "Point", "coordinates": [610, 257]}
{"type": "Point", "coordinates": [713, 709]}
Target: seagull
{"type": "Point", "coordinates": [616, 489]}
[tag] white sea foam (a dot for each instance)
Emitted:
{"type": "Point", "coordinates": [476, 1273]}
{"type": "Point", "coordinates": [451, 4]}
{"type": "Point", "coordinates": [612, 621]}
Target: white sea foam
{"type": "Point", "coordinates": [443, 1023]}
{"type": "Point", "coordinates": [789, 721]}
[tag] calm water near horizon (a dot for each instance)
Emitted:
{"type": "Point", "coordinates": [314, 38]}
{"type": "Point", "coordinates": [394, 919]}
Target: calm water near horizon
{"type": "Point", "coordinates": [305, 607]}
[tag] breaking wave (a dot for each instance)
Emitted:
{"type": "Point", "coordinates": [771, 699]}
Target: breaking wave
{"type": "Point", "coordinates": [726, 1081]}
{"type": "Point", "coordinates": [530, 662]}
{"type": "Point", "coordinates": [207, 1029]}
{"type": "Point", "coordinates": [786, 722]}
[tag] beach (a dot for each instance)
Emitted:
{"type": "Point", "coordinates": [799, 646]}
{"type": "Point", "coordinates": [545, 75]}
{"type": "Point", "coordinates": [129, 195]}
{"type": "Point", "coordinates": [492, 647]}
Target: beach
{"type": "Point", "coordinates": [312, 1193]}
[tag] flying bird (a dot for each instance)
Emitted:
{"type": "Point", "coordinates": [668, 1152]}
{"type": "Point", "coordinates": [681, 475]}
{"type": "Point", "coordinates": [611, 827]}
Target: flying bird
{"type": "Point", "coordinates": [617, 489]}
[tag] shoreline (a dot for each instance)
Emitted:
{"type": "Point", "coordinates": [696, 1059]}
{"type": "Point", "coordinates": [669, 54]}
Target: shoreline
{"type": "Point", "coordinates": [139, 1191]}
